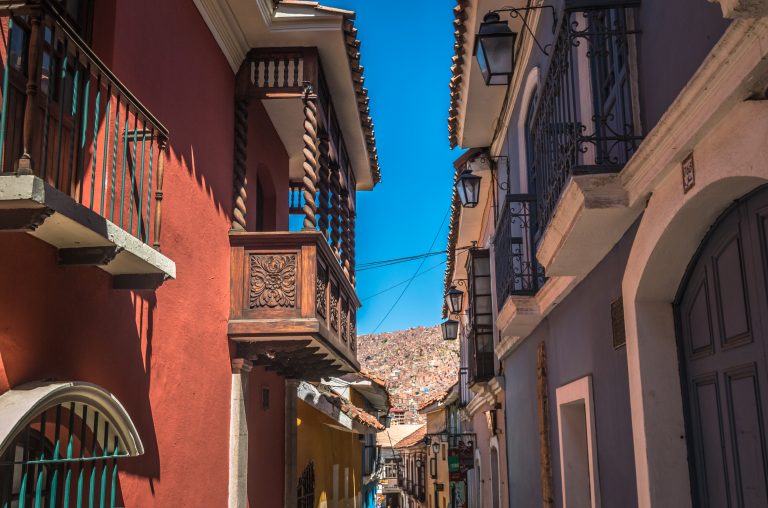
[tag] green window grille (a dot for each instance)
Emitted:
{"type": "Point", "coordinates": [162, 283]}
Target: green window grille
{"type": "Point", "coordinates": [65, 457]}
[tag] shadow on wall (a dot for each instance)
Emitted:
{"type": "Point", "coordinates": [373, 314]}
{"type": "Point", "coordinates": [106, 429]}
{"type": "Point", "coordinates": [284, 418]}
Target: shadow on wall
{"type": "Point", "coordinates": [65, 324]}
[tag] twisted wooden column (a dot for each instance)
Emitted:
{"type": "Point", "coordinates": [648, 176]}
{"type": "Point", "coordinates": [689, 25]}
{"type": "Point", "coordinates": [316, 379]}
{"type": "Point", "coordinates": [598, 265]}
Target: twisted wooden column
{"type": "Point", "coordinates": [241, 153]}
{"type": "Point", "coordinates": [345, 231]}
{"type": "Point", "coordinates": [324, 190]}
{"type": "Point", "coordinates": [352, 218]}
{"type": "Point", "coordinates": [335, 209]}
{"type": "Point", "coordinates": [310, 159]}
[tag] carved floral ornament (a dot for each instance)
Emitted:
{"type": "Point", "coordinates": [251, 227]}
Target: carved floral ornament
{"type": "Point", "coordinates": [272, 281]}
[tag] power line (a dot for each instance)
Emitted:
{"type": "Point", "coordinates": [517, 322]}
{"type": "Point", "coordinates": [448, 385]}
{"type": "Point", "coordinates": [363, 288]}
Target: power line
{"type": "Point", "coordinates": [395, 261]}
{"type": "Point", "coordinates": [437, 235]}
{"type": "Point", "coordinates": [441, 263]}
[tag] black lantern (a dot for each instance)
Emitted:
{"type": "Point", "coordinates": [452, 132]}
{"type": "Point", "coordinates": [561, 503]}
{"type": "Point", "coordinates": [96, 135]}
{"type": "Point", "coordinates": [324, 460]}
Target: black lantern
{"type": "Point", "coordinates": [435, 447]}
{"type": "Point", "coordinates": [468, 187]}
{"type": "Point", "coordinates": [454, 300]}
{"type": "Point", "coordinates": [494, 49]}
{"type": "Point", "coordinates": [418, 463]}
{"type": "Point", "coordinates": [450, 329]}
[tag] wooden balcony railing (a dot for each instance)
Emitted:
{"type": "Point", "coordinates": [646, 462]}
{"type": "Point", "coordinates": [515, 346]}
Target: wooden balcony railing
{"type": "Point", "coordinates": [326, 193]}
{"type": "Point", "coordinates": [288, 294]}
{"type": "Point", "coordinates": [67, 119]}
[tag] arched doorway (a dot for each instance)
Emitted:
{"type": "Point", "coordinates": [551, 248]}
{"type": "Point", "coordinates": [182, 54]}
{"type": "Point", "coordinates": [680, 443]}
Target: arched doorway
{"type": "Point", "coordinates": [61, 443]}
{"type": "Point", "coordinates": [722, 318]}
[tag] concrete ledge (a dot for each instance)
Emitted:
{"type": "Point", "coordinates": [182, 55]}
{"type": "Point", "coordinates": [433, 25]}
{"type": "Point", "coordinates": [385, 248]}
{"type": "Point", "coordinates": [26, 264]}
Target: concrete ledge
{"type": "Point", "coordinates": [591, 214]}
{"type": "Point", "coordinates": [520, 315]}
{"type": "Point", "coordinates": [66, 224]}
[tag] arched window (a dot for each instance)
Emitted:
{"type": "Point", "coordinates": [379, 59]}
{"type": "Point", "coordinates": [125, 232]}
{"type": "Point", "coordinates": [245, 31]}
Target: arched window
{"type": "Point", "coordinates": [60, 444]}
{"type": "Point", "coordinates": [530, 143]}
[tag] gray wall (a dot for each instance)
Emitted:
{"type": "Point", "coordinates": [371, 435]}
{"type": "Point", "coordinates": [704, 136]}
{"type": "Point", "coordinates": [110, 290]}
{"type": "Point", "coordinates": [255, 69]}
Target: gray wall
{"type": "Point", "coordinates": [675, 37]}
{"type": "Point", "coordinates": [579, 341]}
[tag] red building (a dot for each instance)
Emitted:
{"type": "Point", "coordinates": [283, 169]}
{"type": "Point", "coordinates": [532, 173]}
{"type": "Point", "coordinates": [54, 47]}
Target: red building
{"type": "Point", "coordinates": [154, 324]}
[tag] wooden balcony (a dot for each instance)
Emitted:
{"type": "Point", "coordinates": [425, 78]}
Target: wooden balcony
{"type": "Point", "coordinates": [292, 307]}
{"type": "Point", "coordinates": [81, 159]}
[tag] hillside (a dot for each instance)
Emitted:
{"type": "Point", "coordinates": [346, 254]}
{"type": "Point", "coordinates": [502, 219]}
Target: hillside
{"type": "Point", "coordinates": [416, 363]}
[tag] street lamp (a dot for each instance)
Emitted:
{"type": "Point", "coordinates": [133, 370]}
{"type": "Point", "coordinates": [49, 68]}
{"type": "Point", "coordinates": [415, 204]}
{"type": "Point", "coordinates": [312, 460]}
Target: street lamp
{"type": "Point", "coordinates": [450, 329]}
{"type": "Point", "coordinates": [454, 300]}
{"type": "Point", "coordinates": [435, 450]}
{"type": "Point", "coordinates": [495, 50]}
{"type": "Point", "coordinates": [468, 187]}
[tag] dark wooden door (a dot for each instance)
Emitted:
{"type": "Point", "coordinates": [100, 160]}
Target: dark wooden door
{"type": "Point", "coordinates": [722, 315]}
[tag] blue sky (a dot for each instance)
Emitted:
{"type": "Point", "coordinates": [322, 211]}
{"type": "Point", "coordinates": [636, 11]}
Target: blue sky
{"type": "Point", "coordinates": [407, 58]}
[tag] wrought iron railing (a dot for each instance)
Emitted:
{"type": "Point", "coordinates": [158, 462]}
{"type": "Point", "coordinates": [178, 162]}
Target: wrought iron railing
{"type": "Point", "coordinates": [68, 456]}
{"type": "Point", "coordinates": [517, 271]}
{"type": "Point", "coordinates": [585, 118]}
{"type": "Point", "coordinates": [67, 119]}
{"type": "Point", "coordinates": [463, 386]}
{"type": "Point", "coordinates": [481, 367]}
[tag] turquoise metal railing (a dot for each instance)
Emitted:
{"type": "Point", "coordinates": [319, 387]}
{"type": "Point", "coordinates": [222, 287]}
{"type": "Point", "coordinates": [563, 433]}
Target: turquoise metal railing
{"type": "Point", "coordinates": [67, 119]}
{"type": "Point", "coordinates": [67, 457]}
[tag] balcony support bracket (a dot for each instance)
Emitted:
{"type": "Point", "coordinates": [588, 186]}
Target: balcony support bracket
{"type": "Point", "coordinates": [89, 256]}
{"type": "Point", "coordinates": [23, 219]}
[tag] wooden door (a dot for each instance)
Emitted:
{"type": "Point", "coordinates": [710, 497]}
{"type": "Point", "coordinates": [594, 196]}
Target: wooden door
{"type": "Point", "coordinates": [722, 316]}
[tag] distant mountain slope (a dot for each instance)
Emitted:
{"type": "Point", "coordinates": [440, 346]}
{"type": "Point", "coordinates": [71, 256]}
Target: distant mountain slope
{"type": "Point", "coordinates": [416, 363]}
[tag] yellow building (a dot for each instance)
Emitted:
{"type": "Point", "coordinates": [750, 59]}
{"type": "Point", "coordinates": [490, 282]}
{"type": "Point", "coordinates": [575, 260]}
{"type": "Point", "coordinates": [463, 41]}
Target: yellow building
{"type": "Point", "coordinates": [335, 463]}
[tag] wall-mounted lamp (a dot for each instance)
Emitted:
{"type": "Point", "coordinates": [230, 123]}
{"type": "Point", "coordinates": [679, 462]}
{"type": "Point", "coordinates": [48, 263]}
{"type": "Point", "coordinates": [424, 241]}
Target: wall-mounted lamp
{"type": "Point", "coordinates": [468, 187]}
{"type": "Point", "coordinates": [450, 329]}
{"type": "Point", "coordinates": [454, 300]}
{"type": "Point", "coordinates": [495, 43]}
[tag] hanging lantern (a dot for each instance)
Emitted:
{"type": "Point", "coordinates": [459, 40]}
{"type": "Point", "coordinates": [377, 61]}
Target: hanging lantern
{"type": "Point", "coordinates": [468, 187]}
{"type": "Point", "coordinates": [450, 329]}
{"type": "Point", "coordinates": [494, 49]}
{"type": "Point", "coordinates": [454, 300]}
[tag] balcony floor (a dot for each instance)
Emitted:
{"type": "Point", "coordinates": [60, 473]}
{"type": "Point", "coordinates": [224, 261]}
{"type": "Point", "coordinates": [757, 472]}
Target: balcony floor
{"type": "Point", "coordinates": [82, 236]}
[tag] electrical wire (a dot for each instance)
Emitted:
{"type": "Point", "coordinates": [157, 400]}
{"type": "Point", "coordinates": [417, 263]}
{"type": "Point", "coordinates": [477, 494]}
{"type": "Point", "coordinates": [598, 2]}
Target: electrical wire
{"type": "Point", "coordinates": [395, 261]}
{"type": "Point", "coordinates": [441, 263]}
{"type": "Point", "coordinates": [402, 293]}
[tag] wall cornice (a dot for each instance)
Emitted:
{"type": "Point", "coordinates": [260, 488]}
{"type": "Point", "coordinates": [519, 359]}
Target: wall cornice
{"type": "Point", "coordinates": [225, 29]}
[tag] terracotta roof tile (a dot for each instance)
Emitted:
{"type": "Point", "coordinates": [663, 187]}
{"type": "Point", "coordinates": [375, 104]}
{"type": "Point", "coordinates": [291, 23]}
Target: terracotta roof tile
{"type": "Point", "coordinates": [349, 409]}
{"type": "Point", "coordinates": [460, 16]}
{"type": "Point", "coordinates": [415, 438]}
{"type": "Point", "coordinates": [353, 56]}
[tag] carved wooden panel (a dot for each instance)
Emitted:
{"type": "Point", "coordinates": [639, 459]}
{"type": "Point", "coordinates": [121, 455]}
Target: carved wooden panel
{"type": "Point", "coordinates": [272, 281]}
{"type": "Point", "coordinates": [732, 300]}
{"type": "Point", "coordinates": [334, 304]}
{"type": "Point", "coordinates": [353, 330]}
{"type": "Point", "coordinates": [344, 318]}
{"type": "Point", "coordinates": [710, 451]}
{"type": "Point", "coordinates": [321, 289]}
{"type": "Point", "coordinates": [698, 320]}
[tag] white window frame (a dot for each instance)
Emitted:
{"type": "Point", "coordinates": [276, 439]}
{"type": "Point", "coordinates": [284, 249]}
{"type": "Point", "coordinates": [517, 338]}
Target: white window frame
{"type": "Point", "coordinates": [576, 392]}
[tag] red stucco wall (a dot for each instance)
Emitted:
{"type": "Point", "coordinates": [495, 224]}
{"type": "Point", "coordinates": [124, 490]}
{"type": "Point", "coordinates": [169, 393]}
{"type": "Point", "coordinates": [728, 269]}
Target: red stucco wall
{"type": "Point", "coordinates": [266, 443]}
{"type": "Point", "coordinates": [164, 354]}
{"type": "Point", "coordinates": [267, 161]}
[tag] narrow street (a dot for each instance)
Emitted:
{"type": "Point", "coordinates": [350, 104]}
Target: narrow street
{"type": "Point", "coordinates": [365, 254]}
